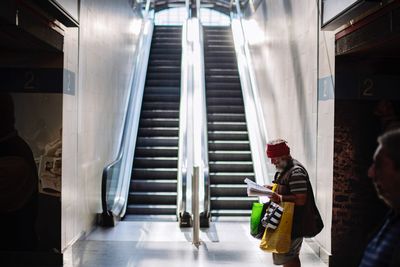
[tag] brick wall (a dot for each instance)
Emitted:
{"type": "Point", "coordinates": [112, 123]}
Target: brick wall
{"type": "Point", "coordinates": [356, 208]}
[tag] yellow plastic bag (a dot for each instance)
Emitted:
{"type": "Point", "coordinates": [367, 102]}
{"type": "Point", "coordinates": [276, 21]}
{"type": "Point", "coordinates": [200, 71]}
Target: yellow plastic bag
{"type": "Point", "coordinates": [279, 240]}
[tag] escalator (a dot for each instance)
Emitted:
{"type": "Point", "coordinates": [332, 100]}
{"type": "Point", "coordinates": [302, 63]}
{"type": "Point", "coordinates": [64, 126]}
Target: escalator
{"type": "Point", "coordinates": [229, 154]}
{"type": "Point", "coordinates": [153, 187]}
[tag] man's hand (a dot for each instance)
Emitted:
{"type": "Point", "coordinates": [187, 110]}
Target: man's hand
{"type": "Point", "coordinates": [268, 186]}
{"type": "Point", "coordinates": [276, 198]}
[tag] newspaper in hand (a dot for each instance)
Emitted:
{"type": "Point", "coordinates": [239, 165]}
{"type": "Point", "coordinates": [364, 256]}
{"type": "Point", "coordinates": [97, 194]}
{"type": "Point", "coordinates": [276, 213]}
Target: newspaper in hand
{"type": "Point", "coordinates": [254, 189]}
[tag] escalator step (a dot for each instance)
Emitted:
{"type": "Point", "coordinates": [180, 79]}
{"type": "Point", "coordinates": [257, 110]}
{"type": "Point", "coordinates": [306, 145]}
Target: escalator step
{"type": "Point", "coordinates": [223, 108]}
{"type": "Point", "coordinates": [230, 177]}
{"type": "Point", "coordinates": [162, 107]}
{"type": "Point", "coordinates": [222, 66]}
{"type": "Point", "coordinates": [158, 131]}
{"type": "Point", "coordinates": [158, 82]}
{"type": "Point", "coordinates": [153, 186]}
{"type": "Point", "coordinates": [228, 155]}
{"type": "Point", "coordinates": [228, 135]}
{"type": "Point", "coordinates": [162, 51]}
{"type": "Point", "coordinates": [152, 151]}
{"type": "Point", "coordinates": [164, 69]}
{"type": "Point", "coordinates": [153, 198]}
{"type": "Point", "coordinates": [219, 58]}
{"type": "Point", "coordinates": [226, 126]}
{"type": "Point", "coordinates": [154, 173]}
{"type": "Point", "coordinates": [229, 190]}
{"type": "Point", "coordinates": [223, 78]}
{"type": "Point", "coordinates": [161, 97]}
{"type": "Point", "coordinates": [228, 145]}
{"type": "Point", "coordinates": [162, 90]}
{"type": "Point", "coordinates": [155, 162]}
{"type": "Point", "coordinates": [225, 100]}
{"type": "Point", "coordinates": [212, 117]}
{"type": "Point", "coordinates": [153, 111]}
{"type": "Point", "coordinates": [151, 209]}
{"type": "Point", "coordinates": [157, 141]}
{"type": "Point", "coordinates": [161, 62]}
{"type": "Point", "coordinates": [233, 72]}
{"type": "Point", "coordinates": [224, 93]}
{"type": "Point", "coordinates": [163, 75]}
{"type": "Point", "coordinates": [231, 166]}
{"type": "Point", "coordinates": [222, 85]}
{"type": "Point", "coordinates": [159, 122]}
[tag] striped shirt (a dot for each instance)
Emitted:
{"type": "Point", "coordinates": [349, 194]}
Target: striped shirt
{"type": "Point", "coordinates": [380, 250]}
{"type": "Point", "coordinates": [298, 181]}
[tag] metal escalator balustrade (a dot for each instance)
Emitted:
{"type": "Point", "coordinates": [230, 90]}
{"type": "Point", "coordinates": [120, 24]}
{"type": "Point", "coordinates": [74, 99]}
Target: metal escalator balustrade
{"type": "Point", "coordinates": [153, 189]}
{"type": "Point", "coordinates": [230, 160]}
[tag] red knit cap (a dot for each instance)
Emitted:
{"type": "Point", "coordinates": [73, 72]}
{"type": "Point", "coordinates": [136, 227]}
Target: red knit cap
{"type": "Point", "coordinates": [277, 148]}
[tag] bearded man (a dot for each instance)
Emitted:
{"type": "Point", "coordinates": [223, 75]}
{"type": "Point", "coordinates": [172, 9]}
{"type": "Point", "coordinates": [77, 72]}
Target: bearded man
{"type": "Point", "coordinates": [293, 185]}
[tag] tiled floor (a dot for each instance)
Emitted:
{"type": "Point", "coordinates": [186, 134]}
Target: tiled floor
{"type": "Point", "coordinates": [152, 244]}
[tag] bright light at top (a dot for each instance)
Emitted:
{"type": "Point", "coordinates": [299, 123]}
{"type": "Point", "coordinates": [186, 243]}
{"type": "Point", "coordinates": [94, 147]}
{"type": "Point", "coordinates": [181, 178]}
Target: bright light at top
{"type": "Point", "coordinates": [177, 16]}
{"type": "Point", "coordinates": [211, 17]}
{"type": "Point", "coordinates": [134, 26]}
{"type": "Point", "coordinates": [254, 34]}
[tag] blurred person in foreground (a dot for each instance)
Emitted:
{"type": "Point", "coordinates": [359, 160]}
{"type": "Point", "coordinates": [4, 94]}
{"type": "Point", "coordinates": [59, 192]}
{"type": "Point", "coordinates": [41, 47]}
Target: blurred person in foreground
{"type": "Point", "coordinates": [18, 185]}
{"type": "Point", "coordinates": [383, 249]}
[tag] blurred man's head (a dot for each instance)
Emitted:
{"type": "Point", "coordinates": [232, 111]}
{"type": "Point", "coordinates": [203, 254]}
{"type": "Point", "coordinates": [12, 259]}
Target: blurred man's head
{"type": "Point", "coordinates": [7, 119]}
{"type": "Point", "coordinates": [385, 170]}
{"type": "Point", "coordinates": [279, 153]}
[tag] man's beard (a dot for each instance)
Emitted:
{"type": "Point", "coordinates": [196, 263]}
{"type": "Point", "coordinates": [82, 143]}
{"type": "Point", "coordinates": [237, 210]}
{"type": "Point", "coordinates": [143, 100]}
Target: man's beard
{"type": "Point", "coordinates": [281, 165]}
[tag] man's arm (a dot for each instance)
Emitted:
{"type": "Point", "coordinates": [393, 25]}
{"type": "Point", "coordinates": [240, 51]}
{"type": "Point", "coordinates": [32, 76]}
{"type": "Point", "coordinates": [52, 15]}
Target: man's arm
{"type": "Point", "coordinates": [298, 199]}
{"type": "Point", "coordinates": [297, 187]}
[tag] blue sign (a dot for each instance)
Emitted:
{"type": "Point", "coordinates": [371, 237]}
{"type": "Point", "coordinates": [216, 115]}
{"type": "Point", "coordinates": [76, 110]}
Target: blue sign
{"type": "Point", "coordinates": [37, 80]}
{"type": "Point", "coordinates": [326, 88]}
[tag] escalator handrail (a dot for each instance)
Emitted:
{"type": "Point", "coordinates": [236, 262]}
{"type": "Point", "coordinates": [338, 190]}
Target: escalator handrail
{"type": "Point", "coordinates": [183, 134]}
{"type": "Point", "coordinates": [132, 114]}
{"type": "Point", "coordinates": [257, 130]}
{"type": "Point", "coordinates": [204, 128]}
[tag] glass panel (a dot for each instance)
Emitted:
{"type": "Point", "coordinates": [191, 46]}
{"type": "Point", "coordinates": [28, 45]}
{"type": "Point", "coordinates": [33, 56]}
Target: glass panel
{"type": "Point", "coordinates": [209, 17]}
{"type": "Point", "coordinates": [177, 16]}
{"type": "Point", "coordinates": [332, 8]}
{"type": "Point", "coordinates": [171, 16]}
{"type": "Point", "coordinates": [113, 184]}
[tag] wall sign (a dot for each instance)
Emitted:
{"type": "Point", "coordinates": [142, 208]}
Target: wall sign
{"type": "Point", "coordinates": [37, 80]}
{"type": "Point", "coordinates": [326, 88]}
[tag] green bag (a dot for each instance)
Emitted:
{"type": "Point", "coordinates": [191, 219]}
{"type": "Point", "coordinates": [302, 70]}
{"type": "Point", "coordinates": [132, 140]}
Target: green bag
{"type": "Point", "coordinates": [257, 213]}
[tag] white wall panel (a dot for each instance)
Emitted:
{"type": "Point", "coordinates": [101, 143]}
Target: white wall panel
{"type": "Point", "coordinates": [100, 53]}
{"type": "Point", "coordinates": [285, 48]}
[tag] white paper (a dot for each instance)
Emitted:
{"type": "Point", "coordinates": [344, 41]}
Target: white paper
{"type": "Point", "coordinates": [254, 189]}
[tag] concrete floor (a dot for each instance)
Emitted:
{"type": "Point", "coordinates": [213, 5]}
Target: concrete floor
{"type": "Point", "coordinates": [152, 244]}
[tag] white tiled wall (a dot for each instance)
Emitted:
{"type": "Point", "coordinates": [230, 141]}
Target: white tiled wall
{"type": "Point", "coordinates": [287, 46]}
{"type": "Point", "coordinates": [100, 53]}
{"type": "Point", "coordinates": [325, 134]}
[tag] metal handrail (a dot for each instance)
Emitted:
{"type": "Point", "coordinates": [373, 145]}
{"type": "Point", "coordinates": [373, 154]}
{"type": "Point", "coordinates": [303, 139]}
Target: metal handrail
{"type": "Point", "coordinates": [184, 159]}
{"type": "Point", "coordinates": [204, 130]}
{"type": "Point", "coordinates": [117, 208]}
{"type": "Point", "coordinates": [182, 146]}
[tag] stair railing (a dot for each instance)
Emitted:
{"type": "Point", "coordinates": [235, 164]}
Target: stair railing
{"type": "Point", "coordinates": [185, 158]}
{"type": "Point", "coordinates": [117, 175]}
{"type": "Point", "coordinates": [254, 113]}
{"type": "Point", "coordinates": [200, 120]}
